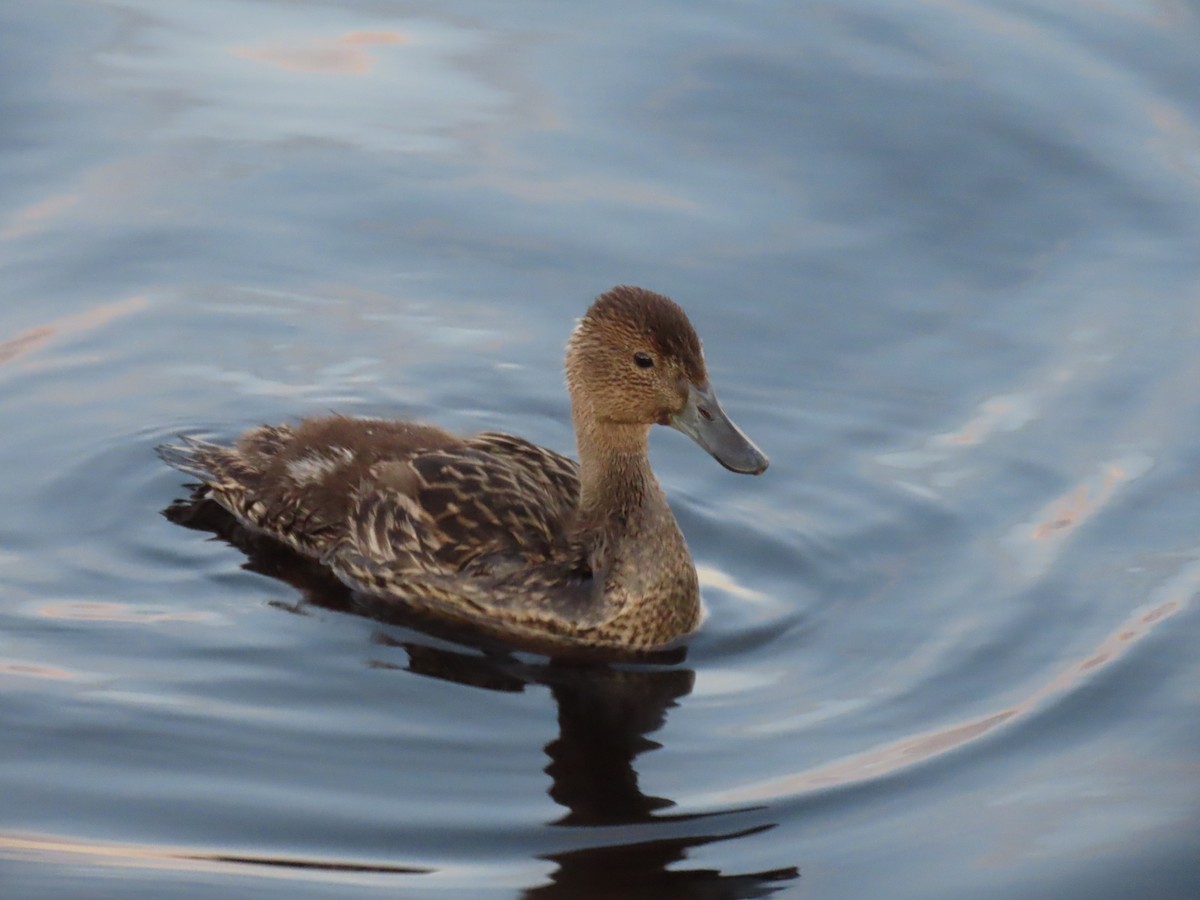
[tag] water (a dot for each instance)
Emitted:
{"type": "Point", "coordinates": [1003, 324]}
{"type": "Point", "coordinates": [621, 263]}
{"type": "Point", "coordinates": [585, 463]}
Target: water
{"type": "Point", "coordinates": [944, 257]}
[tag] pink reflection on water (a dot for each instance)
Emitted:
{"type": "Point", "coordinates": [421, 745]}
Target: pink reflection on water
{"type": "Point", "coordinates": [34, 339]}
{"type": "Point", "coordinates": [37, 216]}
{"type": "Point", "coordinates": [1170, 599]}
{"type": "Point", "coordinates": [56, 849]}
{"type": "Point", "coordinates": [34, 670]}
{"type": "Point", "coordinates": [345, 55]}
{"type": "Point", "coordinates": [89, 611]}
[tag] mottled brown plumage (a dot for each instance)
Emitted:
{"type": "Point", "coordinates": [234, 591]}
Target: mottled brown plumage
{"type": "Point", "coordinates": [492, 531]}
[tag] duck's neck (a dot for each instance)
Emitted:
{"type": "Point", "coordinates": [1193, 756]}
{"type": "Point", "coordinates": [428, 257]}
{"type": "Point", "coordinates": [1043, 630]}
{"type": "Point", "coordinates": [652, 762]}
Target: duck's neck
{"type": "Point", "coordinates": [615, 478]}
{"type": "Point", "coordinates": [634, 546]}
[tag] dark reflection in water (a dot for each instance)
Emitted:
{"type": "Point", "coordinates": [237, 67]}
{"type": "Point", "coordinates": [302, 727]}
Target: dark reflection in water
{"type": "Point", "coordinates": [604, 718]}
{"type": "Point", "coordinates": [605, 715]}
{"type": "Point", "coordinates": [640, 870]}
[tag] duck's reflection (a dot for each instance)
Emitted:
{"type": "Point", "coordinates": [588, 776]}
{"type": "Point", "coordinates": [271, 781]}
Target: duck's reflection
{"type": "Point", "coordinates": [605, 717]}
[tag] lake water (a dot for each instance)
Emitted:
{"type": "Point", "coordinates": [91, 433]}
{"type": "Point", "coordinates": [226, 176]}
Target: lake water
{"type": "Point", "coordinates": [945, 256]}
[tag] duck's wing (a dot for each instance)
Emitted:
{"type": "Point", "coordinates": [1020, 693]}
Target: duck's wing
{"type": "Point", "coordinates": [480, 536]}
{"type": "Point", "coordinates": [298, 483]}
{"type": "Point", "coordinates": [467, 510]}
{"type": "Point", "coordinates": [556, 598]}
{"type": "Point", "coordinates": [475, 530]}
{"type": "Point", "coordinates": [555, 474]}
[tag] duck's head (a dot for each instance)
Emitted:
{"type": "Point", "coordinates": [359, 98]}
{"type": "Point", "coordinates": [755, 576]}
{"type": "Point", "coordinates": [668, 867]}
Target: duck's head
{"type": "Point", "coordinates": [635, 360]}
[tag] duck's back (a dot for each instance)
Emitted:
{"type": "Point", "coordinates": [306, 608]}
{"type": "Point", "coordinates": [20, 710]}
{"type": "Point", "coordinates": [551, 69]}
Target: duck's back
{"type": "Point", "coordinates": [396, 490]}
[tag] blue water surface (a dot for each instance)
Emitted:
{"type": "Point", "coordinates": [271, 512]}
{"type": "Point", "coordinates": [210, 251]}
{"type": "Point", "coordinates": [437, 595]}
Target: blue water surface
{"type": "Point", "coordinates": [945, 257]}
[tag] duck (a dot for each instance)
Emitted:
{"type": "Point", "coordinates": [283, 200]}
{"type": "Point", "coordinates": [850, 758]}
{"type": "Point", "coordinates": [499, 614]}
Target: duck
{"type": "Point", "coordinates": [513, 541]}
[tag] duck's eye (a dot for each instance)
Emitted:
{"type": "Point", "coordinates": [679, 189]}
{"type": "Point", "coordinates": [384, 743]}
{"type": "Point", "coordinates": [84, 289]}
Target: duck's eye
{"type": "Point", "coordinates": [643, 360]}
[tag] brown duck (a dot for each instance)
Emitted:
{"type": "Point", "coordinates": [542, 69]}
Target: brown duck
{"type": "Point", "coordinates": [491, 531]}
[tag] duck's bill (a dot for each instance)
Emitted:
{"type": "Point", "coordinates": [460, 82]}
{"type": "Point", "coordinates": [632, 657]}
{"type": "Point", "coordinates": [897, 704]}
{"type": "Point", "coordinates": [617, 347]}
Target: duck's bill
{"type": "Point", "coordinates": [703, 420]}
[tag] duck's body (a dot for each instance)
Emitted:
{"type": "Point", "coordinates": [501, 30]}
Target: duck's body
{"type": "Point", "coordinates": [492, 531]}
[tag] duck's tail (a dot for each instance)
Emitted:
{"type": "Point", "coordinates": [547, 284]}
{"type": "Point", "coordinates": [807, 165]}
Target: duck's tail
{"type": "Point", "coordinates": [225, 474]}
{"type": "Point", "coordinates": [200, 459]}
